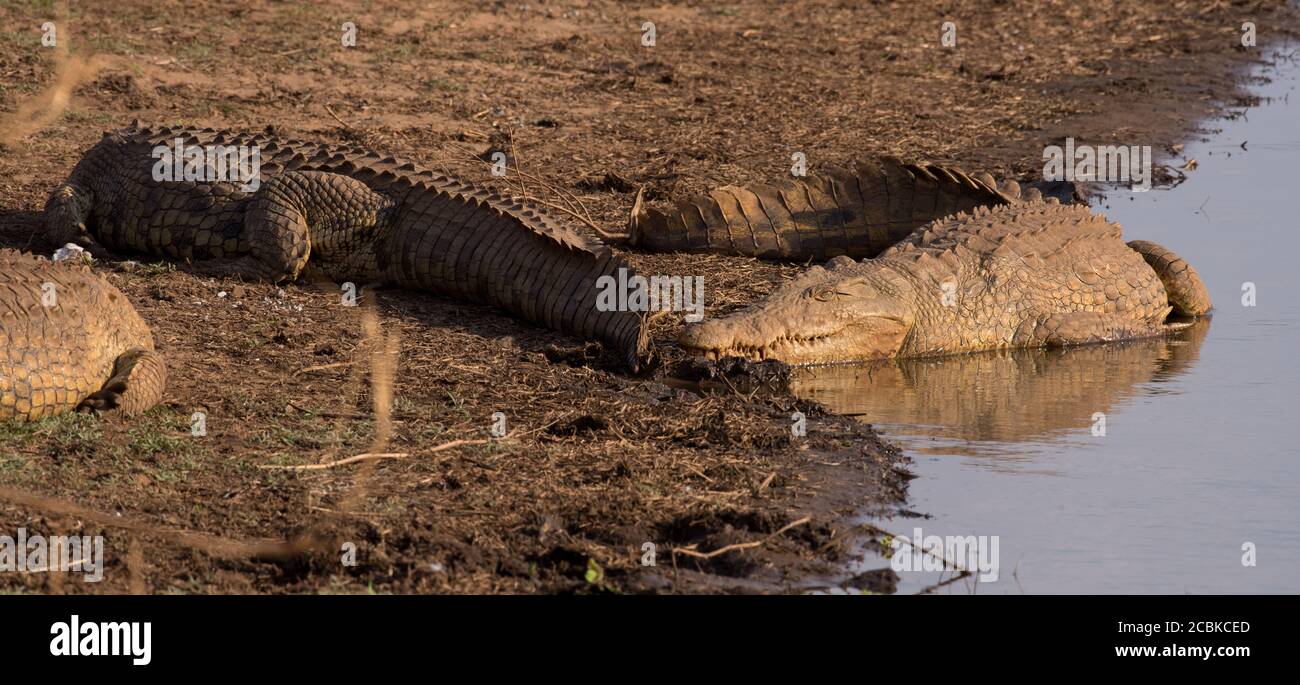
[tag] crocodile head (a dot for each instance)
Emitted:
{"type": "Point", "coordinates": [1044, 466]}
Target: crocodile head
{"type": "Point", "coordinates": [843, 312]}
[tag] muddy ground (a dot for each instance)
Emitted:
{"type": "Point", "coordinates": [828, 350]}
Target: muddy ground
{"type": "Point", "coordinates": [595, 463]}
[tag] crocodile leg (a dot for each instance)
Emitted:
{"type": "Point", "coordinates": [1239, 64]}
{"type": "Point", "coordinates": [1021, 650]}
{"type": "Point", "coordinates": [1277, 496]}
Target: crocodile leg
{"type": "Point", "coordinates": [276, 226]}
{"type": "Point", "coordinates": [66, 214]}
{"type": "Point", "coordinates": [139, 377]}
{"type": "Point", "coordinates": [1187, 293]}
{"type": "Point", "coordinates": [300, 212]}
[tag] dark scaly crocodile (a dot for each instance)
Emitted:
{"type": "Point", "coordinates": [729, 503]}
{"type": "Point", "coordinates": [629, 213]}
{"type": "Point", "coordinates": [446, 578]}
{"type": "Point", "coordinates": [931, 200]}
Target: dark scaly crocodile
{"type": "Point", "coordinates": [1022, 275]}
{"type": "Point", "coordinates": [70, 340]}
{"type": "Point", "coordinates": [855, 213]}
{"type": "Point", "coordinates": [356, 215]}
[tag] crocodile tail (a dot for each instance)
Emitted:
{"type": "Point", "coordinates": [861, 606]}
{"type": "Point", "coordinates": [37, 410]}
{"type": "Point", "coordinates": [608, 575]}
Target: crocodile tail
{"type": "Point", "coordinates": [599, 313]}
{"type": "Point", "coordinates": [139, 378]}
{"type": "Point", "coordinates": [1187, 292]}
{"type": "Point", "coordinates": [857, 212]}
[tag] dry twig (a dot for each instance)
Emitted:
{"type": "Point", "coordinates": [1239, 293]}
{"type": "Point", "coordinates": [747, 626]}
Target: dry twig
{"type": "Point", "coordinates": [368, 457]}
{"type": "Point", "coordinates": [690, 552]}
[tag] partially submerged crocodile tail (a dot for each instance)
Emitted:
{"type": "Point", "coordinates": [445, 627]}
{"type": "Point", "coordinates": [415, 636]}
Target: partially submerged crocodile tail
{"type": "Point", "coordinates": [1187, 293]}
{"type": "Point", "coordinates": [857, 212]}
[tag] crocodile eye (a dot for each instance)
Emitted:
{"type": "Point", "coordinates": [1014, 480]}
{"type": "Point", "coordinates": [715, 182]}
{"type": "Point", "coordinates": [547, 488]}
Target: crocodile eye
{"type": "Point", "coordinates": [823, 294]}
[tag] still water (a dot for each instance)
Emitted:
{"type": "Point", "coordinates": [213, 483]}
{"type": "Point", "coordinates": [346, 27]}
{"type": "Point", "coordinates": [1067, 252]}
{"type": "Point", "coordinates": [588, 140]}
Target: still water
{"type": "Point", "coordinates": [1145, 467]}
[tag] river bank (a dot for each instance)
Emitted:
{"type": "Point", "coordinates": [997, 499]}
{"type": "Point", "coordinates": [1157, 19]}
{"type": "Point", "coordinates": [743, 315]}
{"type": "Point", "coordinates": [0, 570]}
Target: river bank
{"type": "Point", "coordinates": [595, 465]}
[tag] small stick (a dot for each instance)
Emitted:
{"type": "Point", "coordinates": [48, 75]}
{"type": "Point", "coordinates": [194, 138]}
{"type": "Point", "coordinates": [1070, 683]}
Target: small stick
{"type": "Point", "coordinates": [699, 473]}
{"type": "Point", "coordinates": [523, 188]}
{"type": "Point", "coordinates": [963, 572]}
{"type": "Point", "coordinates": [569, 198]}
{"type": "Point", "coordinates": [322, 367]}
{"type": "Point", "coordinates": [740, 545]}
{"type": "Point", "coordinates": [607, 235]}
{"type": "Point", "coordinates": [63, 567]}
{"type": "Point", "coordinates": [336, 118]}
{"type": "Point", "coordinates": [931, 588]}
{"type": "Point", "coordinates": [368, 457]}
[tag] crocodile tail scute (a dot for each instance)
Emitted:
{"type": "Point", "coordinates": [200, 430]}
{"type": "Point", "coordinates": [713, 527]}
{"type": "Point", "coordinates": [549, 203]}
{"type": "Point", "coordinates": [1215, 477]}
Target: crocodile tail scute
{"type": "Point", "coordinates": [1187, 292]}
{"type": "Point", "coordinates": [856, 212]}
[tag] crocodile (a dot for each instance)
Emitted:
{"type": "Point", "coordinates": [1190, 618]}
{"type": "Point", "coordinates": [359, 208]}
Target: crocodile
{"type": "Point", "coordinates": [70, 340]}
{"type": "Point", "coordinates": [1034, 274]}
{"type": "Point", "coordinates": [857, 212]}
{"type": "Point", "coordinates": [356, 215]}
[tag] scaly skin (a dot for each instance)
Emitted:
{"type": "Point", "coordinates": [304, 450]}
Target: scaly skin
{"type": "Point", "coordinates": [356, 216]}
{"type": "Point", "coordinates": [69, 340]}
{"type": "Point", "coordinates": [858, 213]}
{"type": "Point", "coordinates": [1023, 275]}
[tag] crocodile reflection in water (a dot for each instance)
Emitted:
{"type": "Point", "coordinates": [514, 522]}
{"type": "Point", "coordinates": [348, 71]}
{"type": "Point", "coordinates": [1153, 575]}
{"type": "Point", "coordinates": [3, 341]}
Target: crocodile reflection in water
{"type": "Point", "coordinates": [1010, 396]}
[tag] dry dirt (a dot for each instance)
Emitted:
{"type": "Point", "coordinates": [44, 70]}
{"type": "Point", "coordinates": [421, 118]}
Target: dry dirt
{"type": "Point", "coordinates": [596, 463]}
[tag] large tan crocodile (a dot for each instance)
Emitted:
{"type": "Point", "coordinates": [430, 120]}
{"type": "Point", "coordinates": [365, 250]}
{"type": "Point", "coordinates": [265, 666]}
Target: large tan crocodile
{"type": "Point", "coordinates": [70, 340]}
{"type": "Point", "coordinates": [1021, 275]}
{"type": "Point", "coordinates": [355, 214]}
{"type": "Point", "coordinates": [857, 212]}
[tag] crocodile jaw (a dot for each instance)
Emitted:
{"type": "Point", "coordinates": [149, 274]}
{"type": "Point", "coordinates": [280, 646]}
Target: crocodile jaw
{"type": "Point", "coordinates": [845, 313]}
{"type": "Point", "coordinates": [872, 338]}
